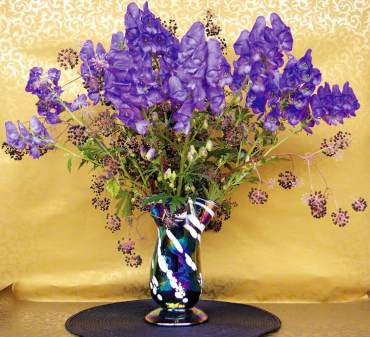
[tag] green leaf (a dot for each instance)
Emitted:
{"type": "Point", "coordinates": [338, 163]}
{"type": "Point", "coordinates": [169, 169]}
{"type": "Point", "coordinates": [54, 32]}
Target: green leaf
{"type": "Point", "coordinates": [175, 202]}
{"type": "Point", "coordinates": [156, 198]}
{"type": "Point", "coordinates": [69, 165]}
{"type": "Point", "coordinates": [112, 187]}
{"type": "Point", "coordinates": [82, 163]}
{"type": "Point", "coordinates": [123, 205]}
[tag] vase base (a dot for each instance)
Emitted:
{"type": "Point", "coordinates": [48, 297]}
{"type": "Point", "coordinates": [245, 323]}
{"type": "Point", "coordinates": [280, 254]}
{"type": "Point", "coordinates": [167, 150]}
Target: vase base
{"type": "Point", "coordinates": [173, 318]}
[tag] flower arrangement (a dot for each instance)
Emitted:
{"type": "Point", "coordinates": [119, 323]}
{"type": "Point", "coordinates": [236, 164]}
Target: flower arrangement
{"type": "Point", "coordinates": [173, 120]}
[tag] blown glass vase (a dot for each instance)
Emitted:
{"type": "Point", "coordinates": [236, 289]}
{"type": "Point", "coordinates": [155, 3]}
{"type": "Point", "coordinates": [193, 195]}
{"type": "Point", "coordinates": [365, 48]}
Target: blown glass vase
{"type": "Point", "coordinates": [175, 276]}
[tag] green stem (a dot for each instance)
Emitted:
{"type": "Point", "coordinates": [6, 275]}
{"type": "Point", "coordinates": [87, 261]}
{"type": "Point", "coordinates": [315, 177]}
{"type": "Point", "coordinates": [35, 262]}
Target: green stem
{"type": "Point", "coordinates": [281, 142]}
{"type": "Point", "coordinates": [70, 113]}
{"type": "Point", "coordinates": [140, 172]}
{"type": "Point", "coordinates": [75, 79]}
{"type": "Point", "coordinates": [74, 154]}
{"type": "Point", "coordinates": [182, 164]}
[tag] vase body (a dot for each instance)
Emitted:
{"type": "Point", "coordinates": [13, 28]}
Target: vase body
{"type": "Point", "coordinates": [175, 276]}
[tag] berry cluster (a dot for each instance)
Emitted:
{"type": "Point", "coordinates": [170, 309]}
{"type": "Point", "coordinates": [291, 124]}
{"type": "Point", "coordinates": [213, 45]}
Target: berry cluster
{"type": "Point", "coordinates": [104, 123]}
{"type": "Point", "coordinates": [101, 203]}
{"type": "Point", "coordinates": [13, 152]}
{"type": "Point", "coordinates": [214, 30]}
{"type": "Point", "coordinates": [317, 202]}
{"type": "Point", "coordinates": [359, 205]}
{"type": "Point", "coordinates": [68, 58]}
{"type": "Point", "coordinates": [113, 223]}
{"type": "Point", "coordinates": [111, 165]}
{"type": "Point", "coordinates": [287, 180]}
{"type": "Point", "coordinates": [97, 184]}
{"type": "Point", "coordinates": [127, 247]}
{"type": "Point", "coordinates": [340, 217]}
{"type": "Point", "coordinates": [77, 135]}
{"type": "Point", "coordinates": [222, 213]}
{"type": "Point", "coordinates": [233, 134]}
{"type": "Point", "coordinates": [170, 25]}
{"type": "Point", "coordinates": [257, 196]}
{"type": "Point", "coordinates": [339, 142]}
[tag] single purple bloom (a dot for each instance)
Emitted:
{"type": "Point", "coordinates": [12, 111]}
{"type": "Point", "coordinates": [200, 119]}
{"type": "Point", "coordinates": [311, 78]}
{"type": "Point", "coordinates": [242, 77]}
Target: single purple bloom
{"type": "Point", "coordinates": [26, 135]}
{"type": "Point", "coordinates": [271, 121]}
{"type": "Point", "coordinates": [41, 136]}
{"type": "Point", "coordinates": [78, 103]}
{"type": "Point", "coordinates": [177, 90]}
{"type": "Point", "coordinates": [13, 137]}
{"type": "Point", "coordinates": [150, 155]}
{"type": "Point", "coordinates": [281, 32]}
{"type": "Point", "coordinates": [34, 152]}
{"type": "Point", "coordinates": [182, 117]}
{"type": "Point", "coordinates": [54, 75]}
{"type": "Point", "coordinates": [117, 41]}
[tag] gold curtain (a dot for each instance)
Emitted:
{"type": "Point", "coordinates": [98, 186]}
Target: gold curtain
{"type": "Point", "coordinates": [53, 244]}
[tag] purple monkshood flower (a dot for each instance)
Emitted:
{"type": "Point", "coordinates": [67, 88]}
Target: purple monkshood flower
{"type": "Point", "coordinates": [187, 86]}
{"type": "Point", "coordinates": [333, 105]}
{"type": "Point", "coordinates": [130, 85]}
{"type": "Point", "coordinates": [298, 73]}
{"type": "Point", "coordinates": [13, 137]}
{"type": "Point", "coordinates": [46, 88]}
{"type": "Point", "coordinates": [271, 121]}
{"type": "Point", "coordinates": [217, 76]}
{"type": "Point", "coordinates": [132, 117]}
{"type": "Point", "coordinates": [261, 55]}
{"type": "Point", "coordinates": [182, 117]}
{"type": "Point", "coordinates": [297, 84]}
{"type": "Point", "coordinates": [261, 50]}
{"type": "Point", "coordinates": [117, 42]}
{"type": "Point", "coordinates": [93, 67]}
{"type": "Point", "coordinates": [146, 34]}
{"type": "Point", "coordinates": [22, 138]}
{"type": "Point", "coordinates": [78, 103]}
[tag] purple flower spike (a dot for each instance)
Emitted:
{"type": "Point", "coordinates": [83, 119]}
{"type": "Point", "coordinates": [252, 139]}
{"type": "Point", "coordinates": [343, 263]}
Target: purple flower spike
{"type": "Point", "coordinates": [332, 105]}
{"type": "Point", "coordinates": [282, 33]}
{"type": "Point", "coordinates": [23, 139]}
{"type": "Point", "coordinates": [93, 68]}
{"type": "Point", "coordinates": [46, 88]}
{"type": "Point", "coordinates": [146, 34]}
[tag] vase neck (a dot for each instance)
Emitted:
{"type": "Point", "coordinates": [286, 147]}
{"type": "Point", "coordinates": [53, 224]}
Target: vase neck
{"type": "Point", "coordinates": [196, 213]}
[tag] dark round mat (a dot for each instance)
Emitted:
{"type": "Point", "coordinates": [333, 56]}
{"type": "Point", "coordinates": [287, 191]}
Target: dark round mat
{"type": "Point", "coordinates": [126, 319]}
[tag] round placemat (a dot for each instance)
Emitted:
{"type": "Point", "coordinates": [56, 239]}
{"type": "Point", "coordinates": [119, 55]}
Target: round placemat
{"type": "Point", "coordinates": [126, 319]}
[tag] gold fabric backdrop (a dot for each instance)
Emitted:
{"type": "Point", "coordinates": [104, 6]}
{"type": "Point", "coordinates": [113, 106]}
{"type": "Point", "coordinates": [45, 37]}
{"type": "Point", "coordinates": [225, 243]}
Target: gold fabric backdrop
{"type": "Point", "coordinates": [53, 244]}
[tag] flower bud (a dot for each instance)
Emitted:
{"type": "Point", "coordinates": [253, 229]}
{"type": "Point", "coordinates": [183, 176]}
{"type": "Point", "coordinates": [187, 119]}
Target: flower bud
{"type": "Point", "coordinates": [205, 124]}
{"type": "Point", "coordinates": [193, 150]}
{"type": "Point", "coordinates": [150, 155]}
{"type": "Point", "coordinates": [167, 174]}
{"type": "Point", "coordinates": [203, 152]}
{"type": "Point", "coordinates": [209, 145]}
{"type": "Point", "coordinates": [190, 157]}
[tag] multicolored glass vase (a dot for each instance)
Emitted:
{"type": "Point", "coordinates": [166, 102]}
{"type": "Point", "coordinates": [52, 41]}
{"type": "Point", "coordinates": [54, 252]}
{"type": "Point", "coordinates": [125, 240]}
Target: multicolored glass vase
{"type": "Point", "coordinates": [175, 276]}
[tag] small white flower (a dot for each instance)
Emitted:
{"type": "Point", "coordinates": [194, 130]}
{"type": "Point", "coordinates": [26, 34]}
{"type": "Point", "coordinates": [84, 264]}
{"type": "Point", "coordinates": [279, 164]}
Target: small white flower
{"type": "Point", "coordinates": [209, 145]}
